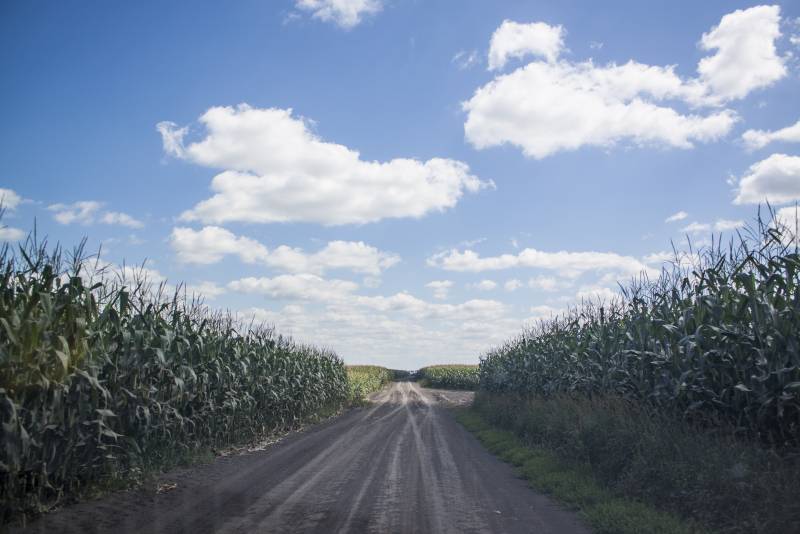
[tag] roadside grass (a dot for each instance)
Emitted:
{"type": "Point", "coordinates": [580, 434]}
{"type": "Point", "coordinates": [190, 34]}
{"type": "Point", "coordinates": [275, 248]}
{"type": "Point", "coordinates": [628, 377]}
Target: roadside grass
{"type": "Point", "coordinates": [576, 487]}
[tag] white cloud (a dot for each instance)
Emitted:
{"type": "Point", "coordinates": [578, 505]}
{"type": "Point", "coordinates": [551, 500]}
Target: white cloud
{"type": "Point", "coordinates": [484, 285]}
{"type": "Point", "coordinates": [346, 14]}
{"type": "Point", "coordinates": [512, 285]}
{"type": "Point", "coordinates": [212, 243]}
{"type": "Point", "coordinates": [726, 225]}
{"type": "Point", "coordinates": [172, 137]}
{"type": "Point", "coordinates": [295, 287]}
{"type": "Point", "coordinates": [440, 288]}
{"type": "Point", "coordinates": [82, 212]}
{"type": "Point", "coordinates": [544, 312]}
{"type": "Point", "coordinates": [11, 234]}
{"type": "Point", "coordinates": [745, 57]}
{"type": "Point", "coordinates": [596, 293]}
{"type": "Point", "coordinates": [550, 106]}
{"type": "Point", "coordinates": [789, 219]}
{"type": "Point", "coordinates": [696, 228]}
{"type": "Point", "coordinates": [476, 309]}
{"type": "Point", "coordinates": [206, 290]}
{"type": "Point", "coordinates": [547, 283]}
{"type": "Point", "coordinates": [775, 179]}
{"type": "Point", "coordinates": [86, 212]}
{"type": "Point", "coordinates": [278, 170]}
{"type": "Point", "coordinates": [132, 274]}
{"type": "Point", "coordinates": [659, 258]}
{"type": "Point", "coordinates": [545, 108]}
{"type": "Point", "coordinates": [513, 40]}
{"type": "Point", "coordinates": [720, 225]}
{"type": "Point", "coordinates": [9, 200]}
{"type": "Point", "coordinates": [466, 60]}
{"type": "Point", "coordinates": [681, 215]}
{"type": "Point", "coordinates": [122, 219]}
{"type": "Point", "coordinates": [755, 139]}
{"type": "Point", "coordinates": [566, 263]}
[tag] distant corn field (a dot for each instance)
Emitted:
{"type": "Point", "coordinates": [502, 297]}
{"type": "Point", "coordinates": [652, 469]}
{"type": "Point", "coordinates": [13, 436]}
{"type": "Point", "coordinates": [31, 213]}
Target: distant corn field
{"type": "Point", "coordinates": [100, 380]}
{"type": "Point", "coordinates": [715, 339]}
{"type": "Point", "coordinates": [364, 379]}
{"type": "Point", "coordinates": [453, 376]}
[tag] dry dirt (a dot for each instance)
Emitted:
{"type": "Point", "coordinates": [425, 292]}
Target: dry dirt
{"type": "Point", "coordinates": [401, 464]}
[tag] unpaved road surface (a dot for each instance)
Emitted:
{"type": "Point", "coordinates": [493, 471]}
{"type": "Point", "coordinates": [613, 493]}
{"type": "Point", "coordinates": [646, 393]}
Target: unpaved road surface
{"type": "Point", "coordinates": [400, 465]}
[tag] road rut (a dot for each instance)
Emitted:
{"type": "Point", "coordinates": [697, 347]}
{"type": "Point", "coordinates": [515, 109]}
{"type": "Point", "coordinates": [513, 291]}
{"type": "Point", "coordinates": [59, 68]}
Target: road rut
{"type": "Point", "coordinates": [401, 464]}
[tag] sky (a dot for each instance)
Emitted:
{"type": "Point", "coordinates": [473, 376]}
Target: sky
{"type": "Point", "coordinates": [405, 182]}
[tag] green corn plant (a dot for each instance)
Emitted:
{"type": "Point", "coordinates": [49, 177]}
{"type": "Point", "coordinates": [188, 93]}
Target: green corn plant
{"type": "Point", "coordinates": [365, 379]}
{"type": "Point", "coordinates": [452, 376]}
{"type": "Point", "coordinates": [102, 377]}
{"type": "Point", "coordinates": [715, 339]}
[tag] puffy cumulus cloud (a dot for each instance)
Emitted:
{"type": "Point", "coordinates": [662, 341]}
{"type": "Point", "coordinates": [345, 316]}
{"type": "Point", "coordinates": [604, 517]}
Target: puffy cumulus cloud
{"type": "Point", "coordinates": [405, 303]}
{"type": "Point", "coordinates": [121, 219]}
{"type": "Point", "coordinates": [278, 170]}
{"type": "Point", "coordinates": [548, 284]}
{"type": "Point", "coordinates": [696, 228]}
{"type": "Point", "coordinates": [212, 243]}
{"type": "Point", "coordinates": [353, 255]}
{"type": "Point", "coordinates": [513, 40]}
{"type": "Point", "coordinates": [346, 14]}
{"type": "Point", "coordinates": [595, 293]}
{"type": "Point", "coordinates": [440, 288]}
{"type": "Point", "coordinates": [788, 219]}
{"type": "Point", "coordinates": [775, 179]}
{"type": "Point", "coordinates": [484, 285]}
{"type": "Point", "coordinates": [294, 287]}
{"type": "Point", "coordinates": [9, 199]}
{"type": "Point", "coordinates": [679, 216]}
{"type": "Point", "coordinates": [544, 312]}
{"type": "Point", "coordinates": [545, 108]}
{"type": "Point", "coordinates": [397, 340]}
{"type": "Point", "coordinates": [206, 290]}
{"type": "Point", "coordinates": [512, 285]}
{"type": "Point", "coordinates": [82, 212]}
{"type": "Point", "coordinates": [8, 233]}
{"type": "Point", "coordinates": [720, 225]}
{"type": "Point", "coordinates": [745, 57]}
{"type": "Point", "coordinates": [569, 264]}
{"type": "Point", "coordinates": [755, 139]}
{"type": "Point", "coordinates": [88, 212]}
{"type": "Point", "coordinates": [404, 331]}
{"type": "Point", "coordinates": [726, 225]}
{"type": "Point", "coordinates": [556, 105]}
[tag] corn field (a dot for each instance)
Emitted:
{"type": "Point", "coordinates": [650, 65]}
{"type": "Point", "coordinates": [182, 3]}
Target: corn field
{"type": "Point", "coordinates": [454, 376]}
{"type": "Point", "coordinates": [364, 379]}
{"type": "Point", "coordinates": [101, 380]}
{"type": "Point", "coordinates": [716, 339]}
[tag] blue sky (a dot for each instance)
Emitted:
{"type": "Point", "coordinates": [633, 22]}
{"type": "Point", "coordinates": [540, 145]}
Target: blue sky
{"type": "Point", "coordinates": [406, 182]}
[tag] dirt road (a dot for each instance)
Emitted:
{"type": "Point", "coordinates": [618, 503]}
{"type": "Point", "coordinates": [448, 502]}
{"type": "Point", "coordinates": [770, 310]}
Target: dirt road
{"type": "Point", "coordinates": [399, 465]}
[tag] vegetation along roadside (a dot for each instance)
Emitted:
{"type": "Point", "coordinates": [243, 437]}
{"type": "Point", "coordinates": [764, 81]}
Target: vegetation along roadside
{"type": "Point", "coordinates": [104, 378]}
{"type": "Point", "coordinates": [684, 394]}
{"type": "Point", "coordinates": [450, 376]}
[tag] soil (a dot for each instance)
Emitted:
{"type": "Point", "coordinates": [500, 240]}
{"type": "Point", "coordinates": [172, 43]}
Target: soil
{"type": "Point", "coordinates": [400, 464]}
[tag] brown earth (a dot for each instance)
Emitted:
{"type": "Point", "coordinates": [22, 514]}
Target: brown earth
{"type": "Point", "coordinates": [401, 464]}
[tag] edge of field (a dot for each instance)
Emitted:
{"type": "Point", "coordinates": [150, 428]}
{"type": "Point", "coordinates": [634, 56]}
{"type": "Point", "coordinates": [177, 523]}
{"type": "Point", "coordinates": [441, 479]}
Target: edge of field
{"type": "Point", "coordinates": [158, 479]}
{"type": "Point", "coordinates": [606, 512]}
